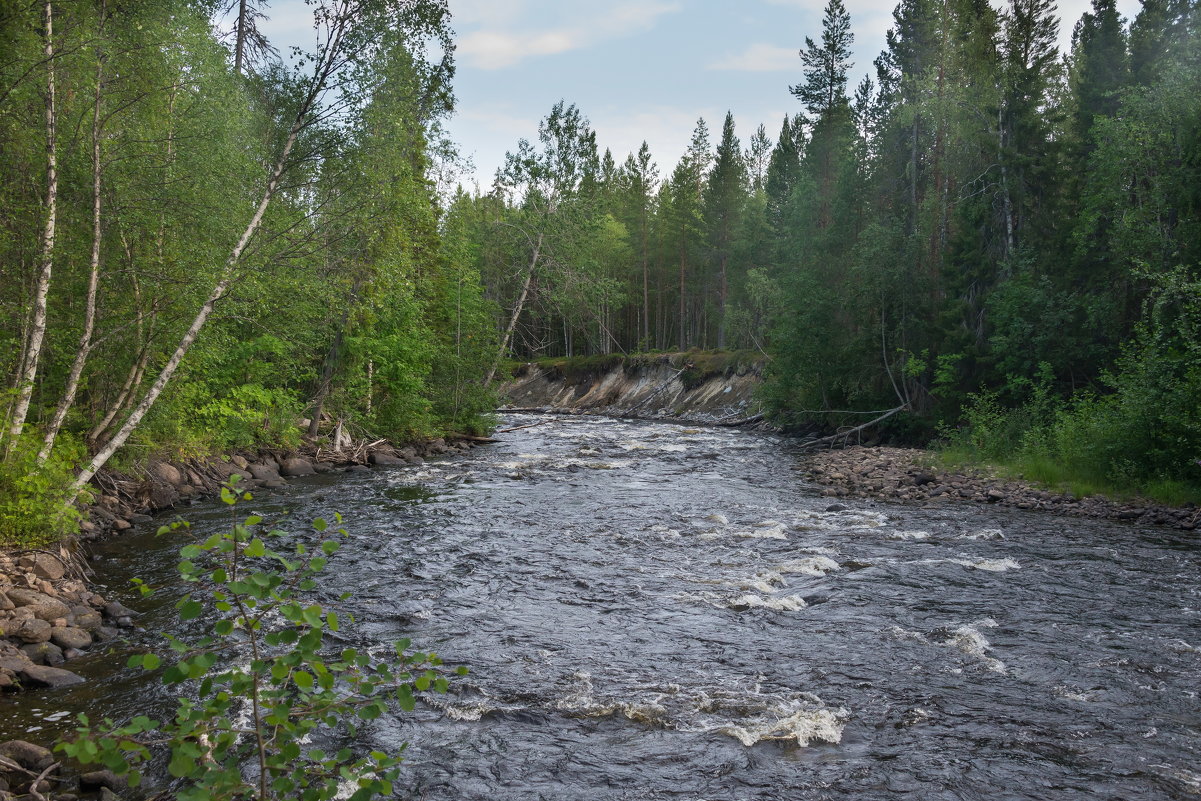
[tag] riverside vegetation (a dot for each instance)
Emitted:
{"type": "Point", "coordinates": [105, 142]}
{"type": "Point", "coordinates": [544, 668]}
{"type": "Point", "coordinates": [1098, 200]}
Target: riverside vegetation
{"type": "Point", "coordinates": [203, 244]}
{"type": "Point", "coordinates": [993, 239]}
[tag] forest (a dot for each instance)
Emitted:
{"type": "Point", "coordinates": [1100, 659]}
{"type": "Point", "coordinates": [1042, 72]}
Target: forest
{"type": "Point", "coordinates": [203, 242]}
{"type": "Point", "coordinates": [1000, 240]}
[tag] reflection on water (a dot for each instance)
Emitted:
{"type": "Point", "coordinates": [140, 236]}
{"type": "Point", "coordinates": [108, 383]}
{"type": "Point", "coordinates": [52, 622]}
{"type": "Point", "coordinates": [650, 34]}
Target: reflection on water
{"type": "Point", "coordinates": [658, 612]}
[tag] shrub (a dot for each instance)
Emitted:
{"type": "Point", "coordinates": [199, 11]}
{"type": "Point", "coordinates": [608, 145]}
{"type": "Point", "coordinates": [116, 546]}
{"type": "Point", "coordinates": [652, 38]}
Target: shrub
{"type": "Point", "coordinates": [289, 690]}
{"type": "Point", "coordinates": [36, 507]}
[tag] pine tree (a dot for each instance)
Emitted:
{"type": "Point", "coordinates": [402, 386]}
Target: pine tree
{"type": "Point", "coordinates": [725, 196]}
{"type": "Point", "coordinates": [825, 85]}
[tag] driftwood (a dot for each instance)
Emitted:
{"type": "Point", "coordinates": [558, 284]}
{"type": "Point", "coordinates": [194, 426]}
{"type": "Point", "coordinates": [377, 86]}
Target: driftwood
{"type": "Point", "coordinates": [845, 435]}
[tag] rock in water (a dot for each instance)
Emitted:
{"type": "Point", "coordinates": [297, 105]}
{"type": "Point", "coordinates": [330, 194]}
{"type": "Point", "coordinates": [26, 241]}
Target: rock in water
{"type": "Point", "coordinates": [296, 466]}
{"type": "Point", "coordinates": [41, 676]}
{"type": "Point", "coordinates": [27, 755]}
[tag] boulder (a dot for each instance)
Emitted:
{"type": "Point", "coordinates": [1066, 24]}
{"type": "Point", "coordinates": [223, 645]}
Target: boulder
{"type": "Point", "coordinates": [384, 459]}
{"type": "Point", "coordinates": [71, 637]}
{"type": "Point", "coordinates": [41, 676]}
{"type": "Point", "coordinates": [265, 472]}
{"type": "Point", "coordinates": [27, 755]}
{"type": "Point", "coordinates": [98, 779]}
{"type": "Point", "coordinates": [32, 631]}
{"type": "Point", "coordinates": [44, 653]}
{"type": "Point", "coordinates": [48, 566]}
{"type": "Point", "coordinates": [115, 610]}
{"type": "Point", "coordinates": [163, 495]}
{"type": "Point", "coordinates": [86, 618]}
{"type": "Point", "coordinates": [296, 466]}
{"type": "Point", "coordinates": [42, 605]}
{"type": "Point", "coordinates": [121, 525]}
{"type": "Point", "coordinates": [167, 473]}
{"type": "Point", "coordinates": [240, 461]}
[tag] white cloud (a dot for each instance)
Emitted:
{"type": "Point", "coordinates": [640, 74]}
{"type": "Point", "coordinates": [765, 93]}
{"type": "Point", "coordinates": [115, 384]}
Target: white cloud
{"type": "Point", "coordinates": [760, 57]}
{"type": "Point", "coordinates": [493, 50]}
{"type": "Point", "coordinates": [502, 44]}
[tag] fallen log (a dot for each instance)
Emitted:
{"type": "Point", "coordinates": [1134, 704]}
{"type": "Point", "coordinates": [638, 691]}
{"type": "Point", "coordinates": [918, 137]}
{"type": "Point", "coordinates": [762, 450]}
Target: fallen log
{"type": "Point", "coordinates": [845, 435]}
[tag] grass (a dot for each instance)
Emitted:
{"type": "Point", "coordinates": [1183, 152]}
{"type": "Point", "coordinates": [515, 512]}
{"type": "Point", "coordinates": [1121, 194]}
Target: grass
{"type": "Point", "coordinates": [1051, 474]}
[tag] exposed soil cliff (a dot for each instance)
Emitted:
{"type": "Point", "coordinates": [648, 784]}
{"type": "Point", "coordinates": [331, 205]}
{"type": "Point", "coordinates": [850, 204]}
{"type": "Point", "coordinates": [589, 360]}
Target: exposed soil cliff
{"type": "Point", "coordinates": [696, 387]}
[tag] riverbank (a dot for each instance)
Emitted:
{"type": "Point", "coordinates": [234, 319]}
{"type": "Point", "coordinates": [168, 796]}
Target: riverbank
{"type": "Point", "coordinates": [702, 387]}
{"type": "Point", "coordinates": [48, 613]}
{"type": "Point", "coordinates": [910, 475]}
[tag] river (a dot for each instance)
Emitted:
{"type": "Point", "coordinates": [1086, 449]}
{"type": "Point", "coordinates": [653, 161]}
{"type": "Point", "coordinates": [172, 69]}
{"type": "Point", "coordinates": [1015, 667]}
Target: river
{"type": "Point", "coordinates": [652, 611]}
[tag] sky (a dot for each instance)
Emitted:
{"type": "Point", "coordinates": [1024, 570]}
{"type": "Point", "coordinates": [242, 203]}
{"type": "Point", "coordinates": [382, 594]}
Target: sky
{"type": "Point", "coordinates": [638, 69]}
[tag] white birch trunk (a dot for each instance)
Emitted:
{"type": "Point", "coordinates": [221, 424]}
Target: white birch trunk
{"type": "Point", "coordinates": [89, 316]}
{"type": "Point", "coordinates": [37, 326]}
{"type": "Point", "coordinates": [525, 291]}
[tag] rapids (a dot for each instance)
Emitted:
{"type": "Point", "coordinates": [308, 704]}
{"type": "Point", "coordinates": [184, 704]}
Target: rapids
{"type": "Point", "coordinates": [652, 611]}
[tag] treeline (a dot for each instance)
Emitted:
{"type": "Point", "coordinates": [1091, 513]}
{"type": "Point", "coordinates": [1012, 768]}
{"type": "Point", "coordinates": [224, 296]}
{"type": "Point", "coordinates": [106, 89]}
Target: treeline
{"type": "Point", "coordinates": [1003, 240]}
{"type": "Point", "coordinates": [202, 243]}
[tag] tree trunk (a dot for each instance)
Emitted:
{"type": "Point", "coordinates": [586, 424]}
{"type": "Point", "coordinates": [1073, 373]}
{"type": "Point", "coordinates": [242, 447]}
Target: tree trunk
{"type": "Point", "coordinates": [37, 327]}
{"type": "Point", "coordinates": [683, 269]}
{"type": "Point", "coordinates": [646, 290]}
{"type": "Point", "coordinates": [330, 365]}
{"type": "Point", "coordinates": [89, 316]}
{"type": "Point", "coordinates": [723, 288]}
{"type": "Point", "coordinates": [240, 44]}
{"type": "Point", "coordinates": [517, 308]}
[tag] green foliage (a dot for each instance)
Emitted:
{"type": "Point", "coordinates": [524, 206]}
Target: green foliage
{"type": "Point", "coordinates": [264, 701]}
{"type": "Point", "coordinates": [35, 508]}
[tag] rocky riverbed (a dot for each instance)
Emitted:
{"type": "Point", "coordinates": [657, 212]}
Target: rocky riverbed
{"type": "Point", "coordinates": [912, 475]}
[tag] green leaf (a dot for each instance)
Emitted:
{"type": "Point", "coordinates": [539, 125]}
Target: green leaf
{"type": "Point", "coordinates": [319, 524]}
{"type": "Point", "coordinates": [303, 679]}
{"type": "Point", "coordinates": [256, 547]}
{"type": "Point", "coordinates": [189, 609]}
{"type": "Point", "coordinates": [181, 765]}
{"type": "Point", "coordinates": [150, 661]}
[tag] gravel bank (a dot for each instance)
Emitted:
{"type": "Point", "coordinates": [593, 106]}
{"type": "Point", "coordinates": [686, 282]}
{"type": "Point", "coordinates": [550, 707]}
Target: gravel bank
{"type": "Point", "coordinates": [910, 475]}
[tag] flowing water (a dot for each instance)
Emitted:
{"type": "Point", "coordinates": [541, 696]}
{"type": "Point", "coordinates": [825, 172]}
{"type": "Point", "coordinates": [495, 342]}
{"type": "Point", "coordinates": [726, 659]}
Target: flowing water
{"type": "Point", "coordinates": [657, 612]}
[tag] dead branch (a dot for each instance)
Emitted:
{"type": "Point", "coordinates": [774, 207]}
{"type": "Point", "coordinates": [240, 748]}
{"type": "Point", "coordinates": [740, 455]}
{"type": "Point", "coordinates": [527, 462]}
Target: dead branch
{"type": "Point", "coordinates": [845, 435]}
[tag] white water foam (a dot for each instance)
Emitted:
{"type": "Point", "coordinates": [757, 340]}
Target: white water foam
{"type": "Point", "coordinates": [783, 603]}
{"type": "Point", "coordinates": [908, 535]}
{"type": "Point", "coordinates": [767, 529]}
{"type": "Point", "coordinates": [803, 725]}
{"type": "Point", "coordinates": [990, 565]}
{"type": "Point", "coordinates": [983, 534]}
{"type": "Point", "coordinates": [810, 566]}
{"type": "Point", "coordinates": [748, 600]}
{"type": "Point", "coordinates": [849, 519]}
{"type": "Point", "coordinates": [968, 639]}
{"type": "Point", "coordinates": [749, 716]}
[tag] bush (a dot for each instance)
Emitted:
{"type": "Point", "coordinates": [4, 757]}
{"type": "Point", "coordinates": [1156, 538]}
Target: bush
{"type": "Point", "coordinates": [36, 507]}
